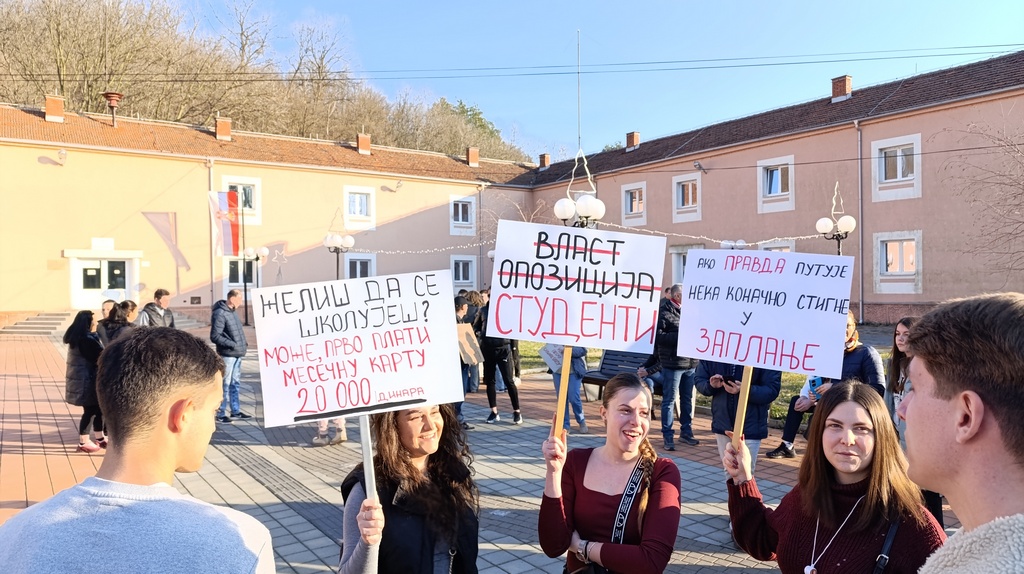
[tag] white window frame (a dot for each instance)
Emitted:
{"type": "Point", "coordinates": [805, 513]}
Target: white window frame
{"type": "Point", "coordinates": [688, 213]}
{"type": "Point", "coordinates": [461, 227]}
{"type": "Point", "coordinates": [783, 245]}
{"type": "Point", "coordinates": [782, 201]}
{"type": "Point", "coordinates": [677, 261]}
{"type": "Point", "coordinates": [227, 260]}
{"type": "Point", "coordinates": [469, 283]}
{"type": "Point", "coordinates": [370, 257]}
{"type": "Point", "coordinates": [633, 219]}
{"type": "Point", "coordinates": [355, 221]}
{"type": "Point", "coordinates": [253, 216]}
{"type": "Point", "coordinates": [895, 189]}
{"type": "Point", "coordinates": [897, 283]}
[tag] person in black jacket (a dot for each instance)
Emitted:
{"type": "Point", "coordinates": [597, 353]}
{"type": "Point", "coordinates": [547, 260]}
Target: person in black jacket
{"type": "Point", "coordinates": [426, 518]}
{"type": "Point", "coordinates": [227, 334]}
{"type": "Point", "coordinates": [721, 382]}
{"type": "Point", "coordinates": [677, 373]}
{"type": "Point", "coordinates": [84, 350]}
{"type": "Point", "coordinates": [498, 354]}
{"type": "Point", "coordinates": [157, 313]}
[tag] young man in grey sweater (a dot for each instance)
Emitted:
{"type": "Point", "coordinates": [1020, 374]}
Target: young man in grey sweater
{"type": "Point", "coordinates": [159, 389]}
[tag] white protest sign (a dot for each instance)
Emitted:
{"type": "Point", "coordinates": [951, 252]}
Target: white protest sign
{"type": "Point", "coordinates": [552, 355]}
{"type": "Point", "coordinates": [779, 311]}
{"type": "Point", "coordinates": [572, 286]}
{"type": "Point", "coordinates": [357, 346]}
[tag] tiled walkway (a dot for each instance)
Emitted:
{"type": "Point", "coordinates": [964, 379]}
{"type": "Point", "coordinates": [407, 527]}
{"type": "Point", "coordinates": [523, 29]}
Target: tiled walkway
{"type": "Point", "coordinates": [293, 488]}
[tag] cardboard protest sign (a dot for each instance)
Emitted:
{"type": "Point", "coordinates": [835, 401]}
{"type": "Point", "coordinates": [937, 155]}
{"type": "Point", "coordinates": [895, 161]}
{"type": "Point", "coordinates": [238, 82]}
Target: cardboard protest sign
{"type": "Point", "coordinates": [552, 355]}
{"type": "Point", "coordinates": [469, 346]}
{"type": "Point", "coordinates": [358, 346]}
{"type": "Point", "coordinates": [779, 311]}
{"type": "Point", "coordinates": [572, 286]}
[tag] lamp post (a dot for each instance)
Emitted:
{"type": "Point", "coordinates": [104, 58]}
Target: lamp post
{"type": "Point", "coordinates": [836, 230]}
{"type": "Point", "coordinates": [251, 254]}
{"type": "Point", "coordinates": [587, 208]}
{"type": "Point", "coordinates": [338, 244]}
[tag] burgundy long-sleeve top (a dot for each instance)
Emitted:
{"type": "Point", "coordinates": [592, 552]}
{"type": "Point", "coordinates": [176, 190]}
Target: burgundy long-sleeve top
{"type": "Point", "coordinates": [592, 515]}
{"type": "Point", "coordinates": [786, 534]}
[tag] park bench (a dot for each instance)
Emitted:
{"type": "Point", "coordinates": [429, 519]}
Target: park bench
{"type": "Point", "coordinates": [612, 363]}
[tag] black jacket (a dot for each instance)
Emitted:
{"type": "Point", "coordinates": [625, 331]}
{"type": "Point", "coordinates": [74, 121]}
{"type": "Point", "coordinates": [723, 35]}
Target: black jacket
{"type": "Point", "coordinates": [226, 331]}
{"type": "Point", "coordinates": [153, 318]}
{"type": "Point", "coordinates": [667, 338]}
{"type": "Point", "coordinates": [80, 377]}
{"type": "Point", "coordinates": [764, 388]}
{"type": "Point", "coordinates": [407, 544]}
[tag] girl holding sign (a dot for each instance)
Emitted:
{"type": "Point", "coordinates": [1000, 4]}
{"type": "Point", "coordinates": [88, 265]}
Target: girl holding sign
{"type": "Point", "coordinates": [615, 508]}
{"type": "Point", "coordinates": [853, 506]}
{"type": "Point", "coordinates": [426, 518]}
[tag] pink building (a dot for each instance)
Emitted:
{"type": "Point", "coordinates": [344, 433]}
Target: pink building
{"type": "Point", "coordinates": [92, 211]}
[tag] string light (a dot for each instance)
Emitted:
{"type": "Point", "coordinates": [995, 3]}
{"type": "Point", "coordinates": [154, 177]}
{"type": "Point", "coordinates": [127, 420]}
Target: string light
{"type": "Point", "coordinates": [704, 237]}
{"type": "Point", "coordinates": [421, 251]}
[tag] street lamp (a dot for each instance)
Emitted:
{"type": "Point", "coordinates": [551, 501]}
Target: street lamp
{"type": "Point", "coordinates": [838, 230]}
{"type": "Point", "coordinates": [248, 254]}
{"type": "Point", "coordinates": [587, 207]}
{"type": "Point", "coordinates": [338, 244]}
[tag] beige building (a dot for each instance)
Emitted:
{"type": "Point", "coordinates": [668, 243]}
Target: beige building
{"type": "Point", "coordinates": [91, 210]}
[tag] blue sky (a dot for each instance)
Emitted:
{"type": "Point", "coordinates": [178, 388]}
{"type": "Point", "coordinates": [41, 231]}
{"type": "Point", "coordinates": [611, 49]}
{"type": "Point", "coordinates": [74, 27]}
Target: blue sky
{"type": "Point", "coordinates": [539, 112]}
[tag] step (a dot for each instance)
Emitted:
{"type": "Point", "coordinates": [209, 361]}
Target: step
{"type": "Point", "coordinates": [10, 331]}
{"type": "Point", "coordinates": [61, 314]}
{"type": "Point", "coordinates": [44, 320]}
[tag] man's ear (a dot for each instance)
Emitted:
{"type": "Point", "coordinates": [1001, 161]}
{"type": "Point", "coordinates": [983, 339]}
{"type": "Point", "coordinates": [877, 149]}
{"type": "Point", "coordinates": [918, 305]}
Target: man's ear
{"type": "Point", "coordinates": [180, 414]}
{"type": "Point", "coordinates": [970, 413]}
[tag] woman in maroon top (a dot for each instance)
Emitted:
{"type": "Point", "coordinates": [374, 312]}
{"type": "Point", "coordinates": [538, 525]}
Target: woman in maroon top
{"type": "Point", "coordinates": [852, 486]}
{"type": "Point", "coordinates": [583, 489]}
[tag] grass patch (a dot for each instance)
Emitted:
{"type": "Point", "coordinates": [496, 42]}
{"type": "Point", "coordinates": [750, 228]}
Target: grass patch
{"type": "Point", "coordinates": [529, 358]}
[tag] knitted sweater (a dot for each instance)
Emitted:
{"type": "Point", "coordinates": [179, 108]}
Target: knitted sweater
{"type": "Point", "coordinates": [787, 534]}
{"type": "Point", "coordinates": [111, 527]}
{"type": "Point", "coordinates": [592, 515]}
{"type": "Point", "coordinates": [995, 547]}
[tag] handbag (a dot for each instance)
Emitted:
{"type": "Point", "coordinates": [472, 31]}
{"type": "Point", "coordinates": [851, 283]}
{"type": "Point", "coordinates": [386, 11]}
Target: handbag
{"type": "Point", "coordinates": [619, 529]}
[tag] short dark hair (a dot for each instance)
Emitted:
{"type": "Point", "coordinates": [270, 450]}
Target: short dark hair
{"type": "Point", "coordinates": [233, 293]}
{"type": "Point", "coordinates": [161, 293]}
{"type": "Point", "coordinates": [977, 344]}
{"type": "Point", "coordinates": [140, 368]}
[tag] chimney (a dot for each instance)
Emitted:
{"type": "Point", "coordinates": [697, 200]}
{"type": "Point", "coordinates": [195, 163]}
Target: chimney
{"type": "Point", "coordinates": [473, 156]}
{"type": "Point", "coordinates": [545, 160]}
{"type": "Point", "coordinates": [54, 109]}
{"type": "Point", "coordinates": [224, 129]}
{"type": "Point", "coordinates": [363, 144]}
{"type": "Point", "coordinates": [113, 99]}
{"type": "Point", "coordinates": [632, 141]}
{"type": "Point", "coordinates": [841, 88]}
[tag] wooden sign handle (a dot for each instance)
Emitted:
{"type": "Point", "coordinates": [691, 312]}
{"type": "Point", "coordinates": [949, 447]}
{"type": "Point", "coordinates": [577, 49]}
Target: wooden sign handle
{"type": "Point", "coordinates": [741, 407]}
{"type": "Point", "coordinates": [563, 392]}
{"type": "Point", "coordinates": [370, 476]}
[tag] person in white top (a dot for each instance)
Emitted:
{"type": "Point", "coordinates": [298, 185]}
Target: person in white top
{"type": "Point", "coordinates": [965, 432]}
{"type": "Point", "coordinates": [159, 388]}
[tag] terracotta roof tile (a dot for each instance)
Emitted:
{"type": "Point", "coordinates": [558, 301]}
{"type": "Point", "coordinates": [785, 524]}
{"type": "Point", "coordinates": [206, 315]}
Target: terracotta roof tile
{"type": "Point", "coordinates": [165, 137]}
{"type": "Point", "coordinates": [994, 74]}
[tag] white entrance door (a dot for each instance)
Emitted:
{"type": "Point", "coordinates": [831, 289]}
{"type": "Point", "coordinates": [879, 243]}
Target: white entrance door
{"type": "Point", "coordinates": [93, 281]}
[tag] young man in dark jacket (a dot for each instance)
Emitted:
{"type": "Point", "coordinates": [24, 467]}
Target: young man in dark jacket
{"type": "Point", "coordinates": [721, 382]}
{"type": "Point", "coordinates": [157, 313]}
{"type": "Point", "coordinates": [677, 373]}
{"type": "Point", "coordinates": [227, 334]}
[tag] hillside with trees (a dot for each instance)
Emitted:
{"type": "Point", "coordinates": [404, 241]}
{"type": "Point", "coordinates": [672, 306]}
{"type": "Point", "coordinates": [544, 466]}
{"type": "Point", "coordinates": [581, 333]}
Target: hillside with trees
{"type": "Point", "coordinates": [155, 54]}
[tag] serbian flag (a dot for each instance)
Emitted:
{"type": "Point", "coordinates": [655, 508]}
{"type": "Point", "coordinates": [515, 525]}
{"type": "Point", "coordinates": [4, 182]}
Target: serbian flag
{"type": "Point", "coordinates": [224, 219]}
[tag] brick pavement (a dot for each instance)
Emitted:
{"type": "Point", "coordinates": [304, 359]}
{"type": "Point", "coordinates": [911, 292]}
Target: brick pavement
{"type": "Point", "coordinates": [293, 488]}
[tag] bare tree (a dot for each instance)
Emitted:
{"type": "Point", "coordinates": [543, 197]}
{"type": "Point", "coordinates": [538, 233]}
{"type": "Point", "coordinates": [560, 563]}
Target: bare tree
{"type": "Point", "coordinates": [990, 178]}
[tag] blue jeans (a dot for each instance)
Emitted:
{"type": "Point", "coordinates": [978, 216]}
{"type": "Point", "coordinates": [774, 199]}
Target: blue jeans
{"type": "Point", "coordinates": [467, 380]}
{"type": "Point", "coordinates": [575, 382]}
{"type": "Point", "coordinates": [677, 385]}
{"type": "Point", "coordinates": [232, 375]}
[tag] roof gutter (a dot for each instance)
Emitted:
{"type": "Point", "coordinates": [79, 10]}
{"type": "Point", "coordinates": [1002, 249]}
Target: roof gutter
{"type": "Point", "coordinates": [860, 218]}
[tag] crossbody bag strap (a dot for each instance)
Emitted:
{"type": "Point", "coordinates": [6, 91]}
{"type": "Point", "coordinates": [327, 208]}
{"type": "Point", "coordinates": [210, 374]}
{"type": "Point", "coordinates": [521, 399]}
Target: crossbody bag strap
{"type": "Point", "coordinates": [883, 556]}
{"type": "Point", "coordinates": [628, 496]}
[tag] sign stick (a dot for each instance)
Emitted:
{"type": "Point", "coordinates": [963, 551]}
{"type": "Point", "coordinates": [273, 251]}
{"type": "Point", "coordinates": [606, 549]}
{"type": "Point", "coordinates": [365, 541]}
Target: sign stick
{"type": "Point", "coordinates": [563, 392]}
{"type": "Point", "coordinates": [368, 473]}
{"type": "Point", "coordinates": [741, 407]}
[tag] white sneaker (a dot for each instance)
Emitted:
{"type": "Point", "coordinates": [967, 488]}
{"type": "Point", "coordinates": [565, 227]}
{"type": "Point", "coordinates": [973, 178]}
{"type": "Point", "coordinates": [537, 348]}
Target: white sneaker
{"type": "Point", "coordinates": [339, 437]}
{"type": "Point", "coordinates": [321, 440]}
{"type": "Point", "coordinates": [583, 428]}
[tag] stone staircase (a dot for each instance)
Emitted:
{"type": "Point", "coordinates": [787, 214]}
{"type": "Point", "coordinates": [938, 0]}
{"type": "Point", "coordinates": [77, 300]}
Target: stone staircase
{"type": "Point", "coordinates": [43, 324]}
{"type": "Point", "coordinates": [47, 324]}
